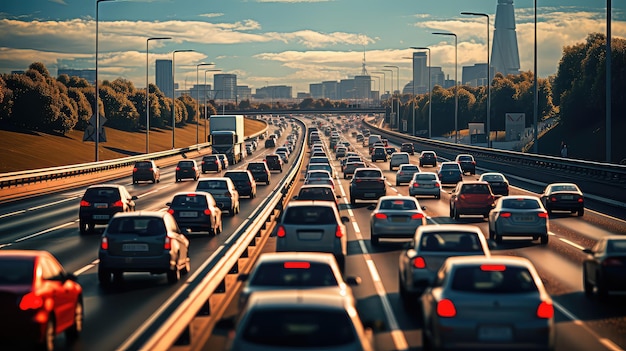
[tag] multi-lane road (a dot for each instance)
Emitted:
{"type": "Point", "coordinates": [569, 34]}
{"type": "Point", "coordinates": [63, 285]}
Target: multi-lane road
{"type": "Point", "coordinates": [111, 315]}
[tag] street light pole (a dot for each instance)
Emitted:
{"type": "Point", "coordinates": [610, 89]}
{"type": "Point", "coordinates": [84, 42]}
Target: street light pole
{"type": "Point", "coordinates": [174, 93]}
{"type": "Point", "coordinates": [430, 92]}
{"type": "Point", "coordinates": [391, 95]}
{"type": "Point", "coordinates": [456, 87]}
{"type": "Point", "coordinates": [398, 90]}
{"type": "Point", "coordinates": [206, 118]}
{"type": "Point", "coordinates": [97, 126]}
{"type": "Point", "coordinates": [488, 76]}
{"type": "Point", "coordinates": [198, 102]}
{"type": "Point", "coordinates": [148, 93]}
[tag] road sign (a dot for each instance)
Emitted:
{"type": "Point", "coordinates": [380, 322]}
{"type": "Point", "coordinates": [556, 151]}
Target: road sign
{"type": "Point", "coordinates": [90, 131]}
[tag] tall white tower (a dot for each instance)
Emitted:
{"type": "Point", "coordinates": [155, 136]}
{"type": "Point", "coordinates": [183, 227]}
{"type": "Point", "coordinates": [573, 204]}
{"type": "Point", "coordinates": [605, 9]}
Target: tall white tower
{"type": "Point", "coordinates": [505, 54]}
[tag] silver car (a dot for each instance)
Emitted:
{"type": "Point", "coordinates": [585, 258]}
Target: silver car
{"type": "Point", "coordinates": [313, 226]}
{"type": "Point", "coordinates": [496, 303]}
{"type": "Point", "coordinates": [518, 215]}
{"type": "Point", "coordinates": [431, 246]}
{"type": "Point", "coordinates": [397, 159]}
{"type": "Point", "coordinates": [395, 217]}
{"type": "Point", "coordinates": [224, 192]}
{"type": "Point", "coordinates": [425, 184]}
{"type": "Point", "coordinates": [405, 173]}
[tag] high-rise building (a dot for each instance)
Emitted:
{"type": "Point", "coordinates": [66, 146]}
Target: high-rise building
{"type": "Point", "coordinates": [420, 72]}
{"type": "Point", "coordinates": [505, 53]}
{"type": "Point", "coordinates": [330, 89]}
{"type": "Point", "coordinates": [317, 90]}
{"type": "Point", "coordinates": [475, 75]}
{"type": "Point", "coordinates": [244, 92]}
{"type": "Point", "coordinates": [225, 86]}
{"type": "Point", "coordinates": [363, 86]}
{"type": "Point", "coordinates": [346, 89]}
{"type": "Point", "coordinates": [164, 76]}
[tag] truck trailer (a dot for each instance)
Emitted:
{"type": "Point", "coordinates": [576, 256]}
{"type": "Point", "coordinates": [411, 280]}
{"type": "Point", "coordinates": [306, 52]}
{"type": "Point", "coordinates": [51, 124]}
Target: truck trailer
{"type": "Point", "coordinates": [227, 137]}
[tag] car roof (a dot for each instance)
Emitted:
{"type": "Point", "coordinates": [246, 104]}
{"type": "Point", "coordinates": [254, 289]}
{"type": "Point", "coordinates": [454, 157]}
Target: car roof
{"type": "Point", "coordinates": [298, 298]}
{"type": "Point", "coordinates": [311, 203]}
{"type": "Point", "coordinates": [322, 257]}
{"type": "Point", "coordinates": [159, 214]}
{"type": "Point", "coordinates": [424, 229]}
{"type": "Point", "coordinates": [308, 186]}
{"type": "Point", "coordinates": [495, 259]}
{"type": "Point", "coordinates": [213, 179]}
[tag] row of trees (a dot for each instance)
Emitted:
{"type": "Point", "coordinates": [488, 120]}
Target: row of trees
{"type": "Point", "coordinates": [37, 101]}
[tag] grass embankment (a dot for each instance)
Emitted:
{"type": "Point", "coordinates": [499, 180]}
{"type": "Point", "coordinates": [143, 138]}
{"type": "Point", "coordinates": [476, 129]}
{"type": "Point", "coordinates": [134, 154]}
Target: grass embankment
{"type": "Point", "coordinates": [30, 150]}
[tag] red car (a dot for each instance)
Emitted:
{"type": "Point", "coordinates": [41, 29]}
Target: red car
{"type": "Point", "coordinates": [38, 300]}
{"type": "Point", "coordinates": [471, 198]}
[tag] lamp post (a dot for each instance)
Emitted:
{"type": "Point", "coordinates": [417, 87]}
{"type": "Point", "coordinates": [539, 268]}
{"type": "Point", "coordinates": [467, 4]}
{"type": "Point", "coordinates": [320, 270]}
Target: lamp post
{"type": "Point", "coordinates": [398, 90]}
{"type": "Point", "coordinates": [535, 88]}
{"type": "Point", "coordinates": [391, 121]}
{"type": "Point", "coordinates": [148, 93]}
{"type": "Point", "coordinates": [378, 78]}
{"type": "Point", "coordinates": [174, 93]}
{"type": "Point", "coordinates": [97, 126]}
{"type": "Point", "coordinates": [413, 97]}
{"type": "Point", "coordinates": [456, 87]}
{"type": "Point", "coordinates": [198, 101]}
{"type": "Point", "coordinates": [384, 84]}
{"type": "Point", "coordinates": [206, 118]}
{"type": "Point", "coordinates": [430, 92]}
{"type": "Point", "coordinates": [488, 76]}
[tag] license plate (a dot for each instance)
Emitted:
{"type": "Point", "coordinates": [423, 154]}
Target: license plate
{"type": "Point", "coordinates": [188, 214]}
{"type": "Point", "coordinates": [426, 185]}
{"type": "Point", "coordinates": [567, 197]}
{"type": "Point", "coordinates": [398, 219]}
{"type": "Point", "coordinates": [310, 235]}
{"type": "Point", "coordinates": [495, 333]}
{"type": "Point", "coordinates": [135, 247]}
{"type": "Point", "coordinates": [524, 218]}
{"type": "Point", "coordinates": [100, 217]}
{"type": "Point", "coordinates": [101, 205]}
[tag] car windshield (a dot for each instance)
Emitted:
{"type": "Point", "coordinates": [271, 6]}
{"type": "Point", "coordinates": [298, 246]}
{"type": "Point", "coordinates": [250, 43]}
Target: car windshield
{"type": "Point", "coordinates": [16, 272]}
{"type": "Point", "coordinates": [450, 242]}
{"type": "Point", "coordinates": [493, 279]}
{"type": "Point", "coordinates": [310, 215]}
{"type": "Point", "coordinates": [189, 201]}
{"type": "Point", "coordinates": [397, 204]}
{"type": "Point", "coordinates": [299, 327]}
{"type": "Point", "coordinates": [564, 188]}
{"type": "Point", "coordinates": [295, 275]}
{"type": "Point", "coordinates": [142, 226]}
{"type": "Point", "coordinates": [521, 204]}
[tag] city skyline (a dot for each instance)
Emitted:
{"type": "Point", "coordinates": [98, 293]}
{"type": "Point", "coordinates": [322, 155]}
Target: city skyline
{"type": "Point", "coordinates": [281, 42]}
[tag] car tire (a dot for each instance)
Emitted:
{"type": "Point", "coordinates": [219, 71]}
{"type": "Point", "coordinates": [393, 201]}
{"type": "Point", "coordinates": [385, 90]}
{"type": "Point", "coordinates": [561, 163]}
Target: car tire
{"type": "Point", "coordinates": [581, 212]}
{"type": "Point", "coordinates": [83, 227]}
{"type": "Point", "coordinates": [73, 332]}
{"type": "Point", "coordinates": [104, 276]}
{"type": "Point", "coordinates": [497, 238]}
{"type": "Point", "coordinates": [451, 212]}
{"type": "Point", "coordinates": [588, 287]}
{"type": "Point", "coordinates": [601, 287]}
{"type": "Point", "coordinates": [544, 239]}
{"type": "Point", "coordinates": [173, 275]}
{"type": "Point", "coordinates": [374, 240]}
{"type": "Point", "coordinates": [397, 183]}
{"type": "Point", "coordinates": [219, 228]}
{"type": "Point", "coordinates": [352, 200]}
{"type": "Point", "coordinates": [267, 183]}
{"type": "Point", "coordinates": [187, 268]}
{"type": "Point", "coordinates": [231, 212]}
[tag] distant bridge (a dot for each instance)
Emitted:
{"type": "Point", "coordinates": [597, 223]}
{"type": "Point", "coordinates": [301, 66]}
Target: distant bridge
{"type": "Point", "coordinates": [352, 110]}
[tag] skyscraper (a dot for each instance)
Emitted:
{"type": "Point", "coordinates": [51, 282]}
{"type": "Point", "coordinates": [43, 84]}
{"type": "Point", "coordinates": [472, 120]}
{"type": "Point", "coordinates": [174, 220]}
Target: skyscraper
{"type": "Point", "coordinates": [164, 76]}
{"type": "Point", "coordinates": [420, 72]}
{"type": "Point", "coordinates": [505, 54]}
{"type": "Point", "coordinates": [225, 86]}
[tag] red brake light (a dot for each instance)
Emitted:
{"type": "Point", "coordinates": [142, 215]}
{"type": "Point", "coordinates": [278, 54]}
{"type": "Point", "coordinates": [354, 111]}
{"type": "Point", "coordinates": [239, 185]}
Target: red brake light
{"type": "Point", "coordinates": [338, 232]}
{"type": "Point", "coordinates": [135, 169]}
{"type": "Point", "coordinates": [281, 232]}
{"type": "Point", "coordinates": [170, 211]}
{"type": "Point", "coordinates": [31, 301]}
{"type": "Point", "coordinates": [445, 308]}
{"type": "Point", "coordinates": [416, 185]}
{"type": "Point", "coordinates": [297, 265]}
{"type": "Point", "coordinates": [505, 214]}
{"type": "Point", "coordinates": [380, 216]}
{"type": "Point", "coordinates": [191, 195]}
{"type": "Point", "coordinates": [167, 245]}
{"type": "Point", "coordinates": [118, 203]}
{"type": "Point", "coordinates": [545, 310]}
{"type": "Point", "coordinates": [417, 216]}
{"type": "Point", "coordinates": [492, 267]}
{"type": "Point", "coordinates": [84, 203]}
{"type": "Point", "coordinates": [104, 243]}
{"type": "Point", "coordinates": [542, 214]}
{"type": "Point", "coordinates": [437, 185]}
{"type": "Point", "coordinates": [553, 199]}
{"type": "Point", "coordinates": [177, 168]}
{"type": "Point", "coordinates": [418, 262]}
{"type": "Point", "coordinates": [207, 212]}
{"type": "Point", "coordinates": [580, 199]}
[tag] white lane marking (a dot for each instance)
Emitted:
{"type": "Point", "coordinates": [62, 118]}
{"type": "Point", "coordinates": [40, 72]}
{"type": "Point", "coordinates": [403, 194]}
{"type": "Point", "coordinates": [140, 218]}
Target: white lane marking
{"type": "Point", "coordinates": [51, 203]}
{"type": "Point", "coordinates": [606, 342]}
{"type": "Point", "coordinates": [44, 231]}
{"type": "Point", "coordinates": [570, 243]}
{"type": "Point", "coordinates": [87, 267]}
{"type": "Point", "coordinates": [12, 213]}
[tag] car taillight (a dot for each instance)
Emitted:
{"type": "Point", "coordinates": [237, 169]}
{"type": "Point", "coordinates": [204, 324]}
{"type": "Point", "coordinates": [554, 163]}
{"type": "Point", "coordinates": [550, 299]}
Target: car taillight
{"type": "Point", "coordinates": [178, 168]}
{"type": "Point", "coordinates": [580, 199]}
{"type": "Point", "coordinates": [118, 203]}
{"type": "Point", "coordinates": [217, 162]}
{"type": "Point", "coordinates": [401, 173]}
{"type": "Point", "coordinates": [446, 309]}
{"type": "Point", "coordinates": [437, 185]}
{"type": "Point", "coordinates": [416, 185]}
{"type": "Point", "coordinates": [207, 212]}
{"type": "Point", "coordinates": [338, 232]}
{"type": "Point", "coordinates": [167, 245]}
{"type": "Point", "coordinates": [505, 214]}
{"type": "Point", "coordinates": [135, 169]}
{"type": "Point", "coordinates": [545, 310]}
{"type": "Point", "coordinates": [542, 214]}
{"type": "Point", "coordinates": [417, 216]}
{"type": "Point", "coordinates": [380, 216]}
{"type": "Point", "coordinates": [418, 262]}
{"type": "Point", "coordinates": [492, 267]}
{"type": "Point", "coordinates": [31, 301]}
{"type": "Point", "coordinates": [281, 232]}
{"type": "Point", "coordinates": [104, 243]}
{"type": "Point", "coordinates": [84, 203]}
{"type": "Point", "coordinates": [170, 211]}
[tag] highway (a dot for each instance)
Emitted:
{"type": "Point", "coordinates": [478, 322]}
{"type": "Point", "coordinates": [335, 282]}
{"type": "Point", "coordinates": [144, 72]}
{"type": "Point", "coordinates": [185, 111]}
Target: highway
{"type": "Point", "coordinates": [50, 222]}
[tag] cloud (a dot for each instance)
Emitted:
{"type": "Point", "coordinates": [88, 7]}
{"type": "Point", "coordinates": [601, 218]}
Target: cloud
{"type": "Point", "coordinates": [211, 15]}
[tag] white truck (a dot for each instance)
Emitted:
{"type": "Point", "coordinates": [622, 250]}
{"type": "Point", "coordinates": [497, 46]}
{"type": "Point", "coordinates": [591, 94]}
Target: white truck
{"type": "Point", "coordinates": [227, 137]}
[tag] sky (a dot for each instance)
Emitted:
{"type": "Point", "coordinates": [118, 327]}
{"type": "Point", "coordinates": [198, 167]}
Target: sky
{"type": "Point", "coordinates": [284, 42]}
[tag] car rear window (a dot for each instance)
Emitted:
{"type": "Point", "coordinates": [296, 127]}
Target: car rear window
{"type": "Point", "coordinates": [616, 246]}
{"type": "Point", "coordinates": [316, 194]}
{"type": "Point", "coordinates": [142, 226]}
{"type": "Point", "coordinates": [143, 165]}
{"type": "Point", "coordinates": [298, 328]}
{"type": "Point", "coordinates": [409, 169]}
{"type": "Point", "coordinates": [189, 201]}
{"type": "Point", "coordinates": [256, 167]}
{"type": "Point", "coordinates": [493, 279]}
{"type": "Point", "coordinates": [475, 189]}
{"type": "Point", "coordinates": [466, 158]}
{"type": "Point", "coordinates": [521, 204]}
{"type": "Point", "coordinates": [237, 175]}
{"type": "Point", "coordinates": [368, 174]}
{"type": "Point", "coordinates": [16, 271]}
{"type": "Point", "coordinates": [451, 242]}
{"type": "Point", "coordinates": [297, 274]}
{"type": "Point", "coordinates": [185, 164]}
{"type": "Point", "coordinates": [397, 205]}
{"type": "Point", "coordinates": [425, 176]}
{"type": "Point", "coordinates": [212, 184]}
{"type": "Point", "coordinates": [493, 178]}
{"type": "Point", "coordinates": [310, 215]}
{"type": "Point", "coordinates": [209, 158]}
{"type": "Point", "coordinates": [102, 194]}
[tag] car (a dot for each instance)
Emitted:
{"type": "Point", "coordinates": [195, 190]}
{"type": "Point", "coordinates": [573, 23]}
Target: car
{"type": "Point", "coordinates": [350, 167]}
{"type": "Point", "coordinates": [284, 157]}
{"type": "Point", "coordinates": [353, 158]}
{"type": "Point", "coordinates": [425, 184]}
{"type": "Point", "coordinates": [359, 138]}
{"type": "Point", "coordinates": [405, 173]}
{"type": "Point", "coordinates": [144, 241]}
{"type": "Point", "coordinates": [371, 147]}
{"type": "Point", "coordinates": [563, 197]}
{"type": "Point", "coordinates": [408, 148]}
{"type": "Point", "coordinates": [367, 183]}
{"type": "Point", "coordinates": [224, 192]}
{"type": "Point", "coordinates": [378, 154]}
{"type": "Point", "coordinates": [496, 303]}
{"type": "Point", "coordinates": [274, 162]}
{"type": "Point", "coordinates": [397, 159]}
{"type": "Point", "coordinates": [519, 215]}
{"type": "Point", "coordinates": [270, 143]}
{"type": "Point", "coordinates": [100, 202]}
{"type": "Point", "coordinates": [244, 182]}
{"type": "Point", "coordinates": [39, 300]}
{"type": "Point", "coordinates": [390, 150]}
{"type": "Point", "coordinates": [340, 152]}
{"type": "Point", "coordinates": [319, 159]}
{"type": "Point", "coordinates": [319, 177]}
{"type": "Point", "coordinates": [471, 198]}
{"type": "Point", "coordinates": [449, 173]}
{"type": "Point", "coordinates": [313, 226]}
{"type": "Point", "coordinates": [211, 163]}
{"type": "Point", "coordinates": [275, 271]}
{"type": "Point", "coordinates": [321, 167]}
{"type": "Point", "coordinates": [260, 172]}
{"type": "Point", "coordinates": [428, 158]}
{"type": "Point", "coordinates": [603, 267]}
{"type": "Point", "coordinates": [467, 163]}
{"type": "Point", "coordinates": [297, 320]}
{"type": "Point", "coordinates": [196, 211]}
{"type": "Point", "coordinates": [187, 169]}
{"type": "Point", "coordinates": [497, 181]}
{"type": "Point", "coordinates": [396, 216]}
{"type": "Point", "coordinates": [317, 192]}
{"type": "Point", "coordinates": [223, 160]}
{"type": "Point", "coordinates": [430, 247]}
{"type": "Point", "coordinates": [249, 149]}
{"type": "Point", "coordinates": [146, 171]}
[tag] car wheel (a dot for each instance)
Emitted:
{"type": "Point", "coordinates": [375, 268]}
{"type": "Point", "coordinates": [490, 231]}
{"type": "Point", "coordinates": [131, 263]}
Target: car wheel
{"type": "Point", "coordinates": [173, 275]}
{"type": "Point", "coordinates": [231, 212]}
{"type": "Point", "coordinates": [497, 238]}
{"type": "Point", "coordinates": [426, 343]}
{"type": "Point", "coordinates": [397, 183]}
{"type": "Point", "coordinates": [187, 268]}
{"type": "Point", "coordinates": [457, 215]}
{"type": "Point", "coordinates": [586, 284]}
{"type": "Point", "coordinates": [374, 240]}
{"type": "Point", "coordinates": [73, 332]}
{"type": "Point", "coordinates": [267, 183]}
{"type": "Point", "coordinates": [154, 180]}
{"type": "Point", "coordinates": [352, 200]}
{"type": "Point", "coordinates": [544, 239]}
{"type": "Point", "coordinates": [104, 276]}
{"type": "Point", "coordinates": [82, 227]}
{"type": "Point", "coordinates": [437, 197]}
{"type": "Point", "coordinates": [219, 228]}
{"type": "Point", "coordinates": [581, 212]}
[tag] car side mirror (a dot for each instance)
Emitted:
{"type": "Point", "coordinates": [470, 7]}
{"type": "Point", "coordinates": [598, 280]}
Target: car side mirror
{"type": "Point", "coordinates": [345, 219]}
{"type": "Point", "coordinates": [168, 204]}
{"type": "Point", "coordinates": [353, 281]}
{"type": "Point", "coordinates": [338, 196]}
{"type": "Point", "coordinates": [371, 207]}
{"type": "Point", "coordinates": [423, 208]}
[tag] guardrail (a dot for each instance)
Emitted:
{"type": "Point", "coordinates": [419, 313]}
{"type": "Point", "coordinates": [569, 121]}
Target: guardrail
{"type": "Point", "coordinates": [190, 309]}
